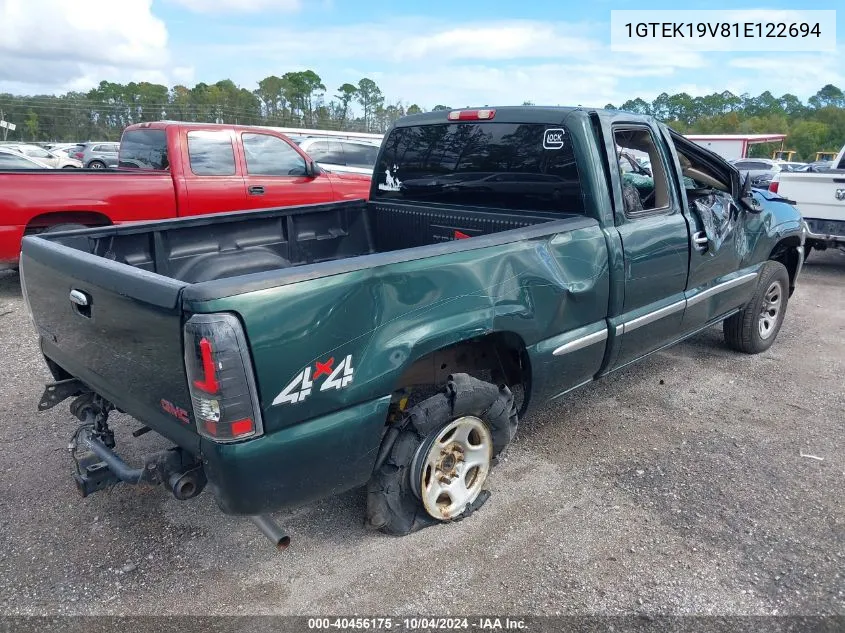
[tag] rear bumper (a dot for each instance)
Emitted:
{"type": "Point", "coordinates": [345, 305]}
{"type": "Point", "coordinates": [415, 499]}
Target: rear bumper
{"type": "Point", "coordinates": [825, 232]}
{"type": "Point", "coordinates": [307, 461]}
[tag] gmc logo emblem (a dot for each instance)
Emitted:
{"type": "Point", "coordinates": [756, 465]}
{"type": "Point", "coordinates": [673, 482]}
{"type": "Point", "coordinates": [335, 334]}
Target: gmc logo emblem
{"type": "Point", "coordinates": [177, 412]}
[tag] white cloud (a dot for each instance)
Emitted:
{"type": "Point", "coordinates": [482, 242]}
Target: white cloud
{"type": "Point", "coordinates": [59, 45]}
{"type": "Point", "coordinates": [502, 40]}
{"type": "Point", "coordinates": [434, 61]}
{"type": "Point", "coordinates": [238, 6]}
{"type": "Point", "coordinates": [407, 40]}
{"type": "Point", "coordinates": [799, 74]}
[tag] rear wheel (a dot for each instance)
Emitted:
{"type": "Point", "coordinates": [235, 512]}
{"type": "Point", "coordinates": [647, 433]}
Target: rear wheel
{"type": "Point", "coordinates": [96, 164]}
{"type": "Point", "coordinates": [755, 328]}
{"type": "Point", "coordinates": [436, 468]}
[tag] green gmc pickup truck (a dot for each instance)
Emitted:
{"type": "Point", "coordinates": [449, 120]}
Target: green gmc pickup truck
{"type": "Point", "coordinates": [504, 258]}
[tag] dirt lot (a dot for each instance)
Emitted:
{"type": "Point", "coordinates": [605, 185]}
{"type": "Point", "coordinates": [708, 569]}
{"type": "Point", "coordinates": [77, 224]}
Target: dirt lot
{"type": "Point", "coordinates": [677, 486]}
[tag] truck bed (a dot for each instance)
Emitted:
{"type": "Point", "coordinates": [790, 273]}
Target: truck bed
{"type": "Point", "coordinates": [195, 250]}
{"type": "Point", "coordinates": [137, 281]}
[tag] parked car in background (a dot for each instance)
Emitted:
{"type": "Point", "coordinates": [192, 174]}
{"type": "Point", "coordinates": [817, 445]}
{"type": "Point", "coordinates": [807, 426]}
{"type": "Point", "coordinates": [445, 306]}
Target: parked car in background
{"type": "Point", "coordinates": [816, 166]}
{"type": "Point", "coordinates": [791, 165]}
{"type": "Point", "coordinates": [56, 160]}
{"type": "Point", "coordinates": [65, 149]}
{"type": "Point", "coordinates": [341, 155]}
{"type": "Point", "coordinates": [820, 196]}
{"type": "Point", "coordinates": [11, 159]}
{"type": "Point", "coordinates": [759, 170]}
{"type": "Point", "coordinates": [98, 155]}
{"type": "Point", "coordinates": [169, 170]}
{"type": "Point", "coordinates": [58, 146]}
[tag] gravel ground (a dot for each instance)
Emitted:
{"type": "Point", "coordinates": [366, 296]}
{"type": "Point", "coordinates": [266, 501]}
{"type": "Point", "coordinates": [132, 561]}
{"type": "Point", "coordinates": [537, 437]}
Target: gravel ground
{"type": "Point", "coordinates": [677, 486]}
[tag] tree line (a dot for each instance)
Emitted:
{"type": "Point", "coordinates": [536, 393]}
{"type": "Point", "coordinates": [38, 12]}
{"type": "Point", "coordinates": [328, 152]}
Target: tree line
{"type": "Point", "coordinates": [294, 99]}
{"type": "Point", "coordinates": [815, 126]}
{"type": "Point", "coordinates": [301, 99]}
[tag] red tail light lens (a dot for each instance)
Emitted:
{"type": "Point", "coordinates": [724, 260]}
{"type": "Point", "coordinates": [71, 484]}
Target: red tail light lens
{"type": "Point", "coordinates": [773, 186]}
{"type": "Point", "coordinates": [220, 378]}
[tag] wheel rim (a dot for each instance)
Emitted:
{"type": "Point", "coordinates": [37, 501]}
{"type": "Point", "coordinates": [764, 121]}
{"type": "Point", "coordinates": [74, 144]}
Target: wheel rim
{"type": "Point", "coordinates": [770, 310]}
{"type": "Point", "coordinates": [450, 468]}
{"type": "Point", "coordinates": [97, 166]}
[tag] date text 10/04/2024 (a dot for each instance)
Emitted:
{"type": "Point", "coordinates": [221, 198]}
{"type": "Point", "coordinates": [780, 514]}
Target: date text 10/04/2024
{"type": "Point", "coordinates": [418, 624]}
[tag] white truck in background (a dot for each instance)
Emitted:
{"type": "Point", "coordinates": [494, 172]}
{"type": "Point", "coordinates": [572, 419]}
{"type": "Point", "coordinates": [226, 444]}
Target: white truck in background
{"type": "Point", "coordinates": [820, 196]}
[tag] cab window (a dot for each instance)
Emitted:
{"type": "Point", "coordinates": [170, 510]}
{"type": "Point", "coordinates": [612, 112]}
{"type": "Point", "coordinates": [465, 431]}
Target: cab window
{"type": "Point", "coordinates": [644, 192]}
{"type": "Point", "coordinates": [268, 155]}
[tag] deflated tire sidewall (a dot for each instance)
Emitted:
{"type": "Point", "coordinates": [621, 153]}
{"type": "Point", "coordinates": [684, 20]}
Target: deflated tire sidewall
{"type": "Point", "coordinates": [392, 505]}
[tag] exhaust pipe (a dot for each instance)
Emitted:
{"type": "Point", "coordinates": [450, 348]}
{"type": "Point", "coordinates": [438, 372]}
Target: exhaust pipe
{"type": "Point", "coordinates": [187, 484]}
{"type": "Point", "coordinates": [120, 468]}
{"type": "Point", "coordinates": [271, 530]}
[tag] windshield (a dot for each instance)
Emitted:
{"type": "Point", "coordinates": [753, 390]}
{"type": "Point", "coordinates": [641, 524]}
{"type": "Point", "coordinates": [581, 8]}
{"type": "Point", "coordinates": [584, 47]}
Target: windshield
{"type": "Point", "coordinates": [517, 166]}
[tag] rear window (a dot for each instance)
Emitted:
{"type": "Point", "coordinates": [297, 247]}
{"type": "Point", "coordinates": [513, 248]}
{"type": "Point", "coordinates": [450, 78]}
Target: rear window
{"type": "Point", "coordinates": [144, 149]}
{"type": "Point", "coordinates": [357, 155]}
{"type": "Point", "coordinates": [326, 152]}
{"type": "Point", "coordinates": [516, 166]}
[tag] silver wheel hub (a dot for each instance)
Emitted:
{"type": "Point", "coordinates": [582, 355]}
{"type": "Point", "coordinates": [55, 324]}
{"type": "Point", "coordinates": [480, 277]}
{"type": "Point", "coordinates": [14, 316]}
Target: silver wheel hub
{"type": "Point", "coordinates": [449, 471]}
{"type": "Point", "coordinates": [770, 310]}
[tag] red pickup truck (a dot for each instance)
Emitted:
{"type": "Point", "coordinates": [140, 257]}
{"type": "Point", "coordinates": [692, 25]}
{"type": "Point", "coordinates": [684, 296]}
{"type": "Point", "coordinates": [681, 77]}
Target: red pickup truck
{"type": "Point", "coordinates": [167, 170]}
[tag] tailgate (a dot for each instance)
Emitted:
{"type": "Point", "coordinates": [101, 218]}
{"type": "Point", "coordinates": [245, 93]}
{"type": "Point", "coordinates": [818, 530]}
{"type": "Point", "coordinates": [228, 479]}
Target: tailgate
{"type": "Point", "coordinates": [126, 344]}
{"type": "Point", "coordinates": [819, 196]}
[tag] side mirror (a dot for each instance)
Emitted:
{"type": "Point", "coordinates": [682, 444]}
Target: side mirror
{"type": "Point", "coordinates": [746, 198]}
{"type": "Point", "coordinates": [312, 170]}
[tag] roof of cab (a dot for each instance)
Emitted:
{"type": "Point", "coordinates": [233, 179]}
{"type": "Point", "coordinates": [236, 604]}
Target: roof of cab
{"type": "Point", "coordinates": [518, 114]}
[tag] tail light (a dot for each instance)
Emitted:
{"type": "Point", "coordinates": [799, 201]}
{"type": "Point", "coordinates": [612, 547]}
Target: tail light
{"type": "Point", "coordinates": [220, 378]}
{"type": "Point", "coordinates": [77, 155]}
{"type": "Point", "coordinates": [773, 186]}
{"type": "Point", "coordinates": [471, 115]}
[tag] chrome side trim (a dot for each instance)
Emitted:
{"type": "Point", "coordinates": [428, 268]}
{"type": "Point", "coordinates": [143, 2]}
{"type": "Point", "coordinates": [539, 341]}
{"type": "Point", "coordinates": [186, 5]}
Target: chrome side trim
{"type": "Point", "coordinates": [651, 317]}
{"type": "Point", "coordinates": [725, 285]}
{"type": "Point", "coordinates": [581, 343]}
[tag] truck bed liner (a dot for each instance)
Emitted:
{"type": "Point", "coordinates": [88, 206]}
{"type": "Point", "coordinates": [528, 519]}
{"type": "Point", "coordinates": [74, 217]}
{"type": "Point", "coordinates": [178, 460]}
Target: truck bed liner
{"type": "Point", "coordinates": [201, 249]}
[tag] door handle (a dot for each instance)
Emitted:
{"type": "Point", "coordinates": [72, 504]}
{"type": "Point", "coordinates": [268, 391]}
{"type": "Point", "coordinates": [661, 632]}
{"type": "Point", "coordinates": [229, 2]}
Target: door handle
{"type": "Point", "coordinates": [700, 241]}
{"type": "Point", "coordinates": [256, 190]}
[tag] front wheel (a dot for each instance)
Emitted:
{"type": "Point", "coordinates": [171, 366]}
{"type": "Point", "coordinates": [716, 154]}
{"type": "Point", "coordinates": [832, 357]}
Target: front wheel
{"type": "Point", "coordinates": [437, 466]}
{"type": "Point", "coordinates": [755, 328]}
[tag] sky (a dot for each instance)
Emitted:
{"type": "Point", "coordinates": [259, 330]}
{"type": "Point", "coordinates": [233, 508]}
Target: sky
{"type": "Point", "coordinates": [451, 52]}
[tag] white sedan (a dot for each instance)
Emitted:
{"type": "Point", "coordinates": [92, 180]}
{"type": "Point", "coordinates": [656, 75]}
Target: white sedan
{"type": "Point", "coordinates": [56, 159]}
{"type": "Point", "coordinates": [12, 159]}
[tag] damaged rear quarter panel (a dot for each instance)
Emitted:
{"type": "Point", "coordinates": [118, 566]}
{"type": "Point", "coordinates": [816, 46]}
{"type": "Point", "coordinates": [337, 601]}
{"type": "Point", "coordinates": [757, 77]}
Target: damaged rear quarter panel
{"type": "Point", "coordinates": [386, 317]}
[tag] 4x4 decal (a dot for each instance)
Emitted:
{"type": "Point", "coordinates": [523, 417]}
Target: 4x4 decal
{"type": "Point", "coordinates": [303, 383]}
